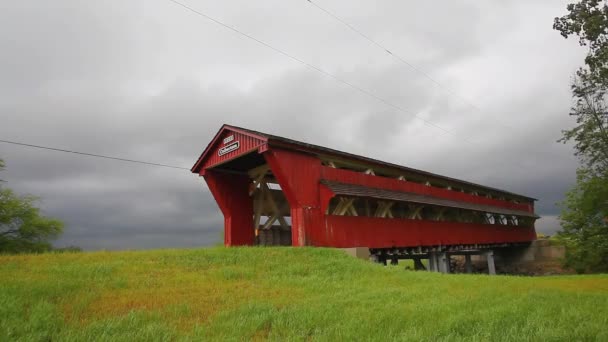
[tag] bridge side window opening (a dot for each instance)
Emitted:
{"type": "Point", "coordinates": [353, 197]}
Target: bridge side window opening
{"type": "Point", "coordinates": [371, 207]}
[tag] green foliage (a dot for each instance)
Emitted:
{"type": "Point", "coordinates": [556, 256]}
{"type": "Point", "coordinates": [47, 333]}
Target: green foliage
{"type": "Point", "coordinates": [585, 223]}
{"type": "Point", "coordinates": [588, 19]}
{"type": "Point", "coordinates": [590, 135]}
{"type": "Point", "coordinates": [584, 214]}
{"type": "Point", "coordinates": [22, 227]}
{"type": "Point", "coordinates": [283, 294]}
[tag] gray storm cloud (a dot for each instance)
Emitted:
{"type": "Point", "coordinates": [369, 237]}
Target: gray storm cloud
{"type": "Point", "coordinates": [154, 82]}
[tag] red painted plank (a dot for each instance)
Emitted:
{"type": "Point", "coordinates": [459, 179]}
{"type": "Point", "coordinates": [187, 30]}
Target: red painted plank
{"type": "Point", "coordinates": [231, 192]}
{"type": "Point", "coordinates": [221, 151]}
{"type": "Point", "coordinates": [299, 177]}
{"type": "Point", "coordinates": [371, 232]}
{"type": "Point", "coordinates": [352, 177]}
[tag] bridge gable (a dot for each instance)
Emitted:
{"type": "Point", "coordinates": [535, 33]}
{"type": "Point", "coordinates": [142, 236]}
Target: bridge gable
{"type": "Point", "coordinates": [228, 144]}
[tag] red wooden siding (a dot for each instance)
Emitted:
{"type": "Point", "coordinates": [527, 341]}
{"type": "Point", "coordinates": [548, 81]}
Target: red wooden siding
{"type": "Point", "coordinates": [247, 143]}
{"type": "Point", "coordinates": [231, 192]}
{"type": "Point", "coordinates": [352, 177]}
{"type": "Point", "coordinates": [372, 232]}
{"type": "Point", "coordinates": [299, 174]}
{"type": "Point", "coordinates": [298, 170]}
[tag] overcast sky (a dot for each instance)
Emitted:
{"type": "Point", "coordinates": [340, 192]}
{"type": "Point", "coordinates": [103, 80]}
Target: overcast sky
{"type": "Point", "coordinates": [150, 80]}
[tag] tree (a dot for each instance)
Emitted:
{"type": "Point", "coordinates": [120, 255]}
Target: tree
{"type": "Point", "coordinates": [588, 19]}
{"type": "Point", "coordinates": [584, 221]}
{"type": "Point", "coordinates": [590, 135]}
{"type": "Point", "coordinates": [584, 215]}
{"type": "Point", "coordinates": [22, 227]}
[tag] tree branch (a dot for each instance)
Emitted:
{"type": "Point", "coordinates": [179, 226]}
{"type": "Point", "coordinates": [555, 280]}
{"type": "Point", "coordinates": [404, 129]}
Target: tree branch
{"type": "Point", "coordinates": [10, 231]}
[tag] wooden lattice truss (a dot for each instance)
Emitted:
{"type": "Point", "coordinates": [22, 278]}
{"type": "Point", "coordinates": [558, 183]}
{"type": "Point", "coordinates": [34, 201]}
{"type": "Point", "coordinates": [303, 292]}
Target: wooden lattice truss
{"type": "Point", "coordinates": [386, 209]}
{"type": "Point", "coordinates": [371, 208]}
{"type": "Point", "coordinates": [271, 203]}
{"type": "Point", "coordinates": [358, 206]}
{"type": "Point", "coordinates": [267, 201]}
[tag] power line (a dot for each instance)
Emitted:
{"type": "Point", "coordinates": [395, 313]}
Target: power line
{"type": "Point", "coordinates": [324, 72]}
{"type": "Point", "coordinates": [93, 155]}
{"type": "Point", "coordinates": [385, 49]}
{"type": "Point", "coordinates": [446, 131]}
{"type": "Point", "coordinates": [313, 67]}
{"type": "Point", "coordinates": [399, 58]}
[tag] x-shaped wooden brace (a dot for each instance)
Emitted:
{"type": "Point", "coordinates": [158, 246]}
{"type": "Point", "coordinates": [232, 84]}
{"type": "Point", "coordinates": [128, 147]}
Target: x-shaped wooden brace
{"type": "Point", "coordinates": [345, 205]}
{"type": "Point", "coordinates": [384, 209]}
{"type": "Point", "coordinates": [257, 174]}
{"type": "Point", "coordinates": [415, 212]}
{"type": "Point", "coordinates": [276, 213]}
{"type": "Point", "coordinates": [439, 215]}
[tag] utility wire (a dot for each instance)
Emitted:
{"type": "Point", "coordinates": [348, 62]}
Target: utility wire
{"type": "Point", "coordinates": [313, 67]}
{"type": "Point", "coordinates": [385, 49]}
{"type": "Point", "coordinates": [93, 155]}
{"type": "Point", "coordinates": [362, 90]}
{"type": "Point", "coordinates": [399, 58]}
{"type": "Point", "coordinates": [326, 73]}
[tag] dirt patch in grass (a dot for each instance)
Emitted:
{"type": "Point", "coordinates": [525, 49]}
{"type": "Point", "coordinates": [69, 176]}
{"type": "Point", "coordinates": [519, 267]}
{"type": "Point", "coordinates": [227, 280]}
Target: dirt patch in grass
{"type": "Point", "coordinates": [181, 306]}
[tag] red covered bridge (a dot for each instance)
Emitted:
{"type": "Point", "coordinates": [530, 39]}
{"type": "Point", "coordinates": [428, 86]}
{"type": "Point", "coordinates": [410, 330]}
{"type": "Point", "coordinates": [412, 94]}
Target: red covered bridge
{"type": "Point", "coordinates": [277, 191]}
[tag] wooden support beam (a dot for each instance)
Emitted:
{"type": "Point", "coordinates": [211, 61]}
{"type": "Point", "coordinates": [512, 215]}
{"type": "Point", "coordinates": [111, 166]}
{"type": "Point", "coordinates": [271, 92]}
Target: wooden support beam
{"type": "Point", "coordinates": [439, 215]}
{"type": "Point", "coordinates": [257, 174]}
{"type": "Point", "coordinates": [258, 199]}
{"type": "Point", "coordinates": [346, 202]}
{"type": "Point", "coordinates": [345, 205]}
{"type": "Point", "coordinates": [415, 212]}
{"type": "Point", "coordinates": [352, 210]}
{"type": "Point", "coordinates": [270, 221]}
{"type": "Point", "coordinates": [260, 170]}
{"type": "Point", "coordinates": [339, 206]}
{"type": "Point", "coordinates": [264, 201]}
{"type": "Point", "coordinates": [384, 209]}
{"type": "Point", "coordinates": [274, 206]}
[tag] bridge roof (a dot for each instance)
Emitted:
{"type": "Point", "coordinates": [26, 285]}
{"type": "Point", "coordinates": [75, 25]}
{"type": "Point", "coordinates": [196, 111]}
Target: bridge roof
{"type": "Point", "coordinates": [290, 144]}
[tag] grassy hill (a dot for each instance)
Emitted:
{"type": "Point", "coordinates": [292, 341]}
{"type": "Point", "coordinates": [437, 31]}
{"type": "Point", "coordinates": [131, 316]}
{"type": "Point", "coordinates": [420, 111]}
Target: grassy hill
{"type": "Point", "coordinates": [282, 293]}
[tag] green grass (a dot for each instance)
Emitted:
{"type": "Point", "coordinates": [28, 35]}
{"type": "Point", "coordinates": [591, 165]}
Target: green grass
{"type": "Point", "coordinates": [283, 294]}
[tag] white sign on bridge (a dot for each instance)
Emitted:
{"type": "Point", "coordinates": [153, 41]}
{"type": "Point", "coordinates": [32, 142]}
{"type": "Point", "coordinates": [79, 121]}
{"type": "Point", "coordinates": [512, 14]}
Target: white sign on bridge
{"type": "Point", "coordinates": [228, 148]}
